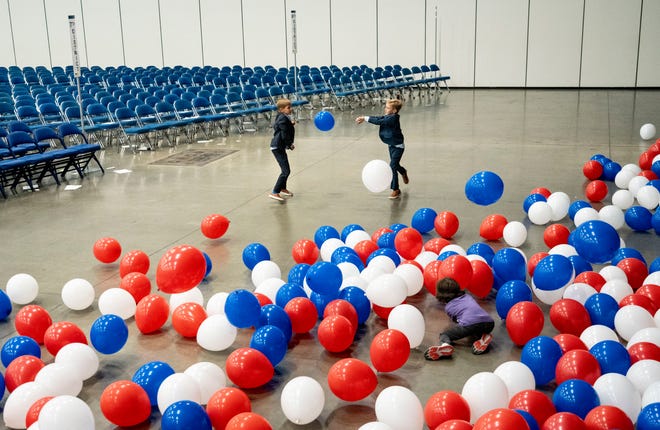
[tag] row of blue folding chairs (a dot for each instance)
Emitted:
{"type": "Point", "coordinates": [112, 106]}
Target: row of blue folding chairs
{"type": "Point", "coordinates": [29, 155]}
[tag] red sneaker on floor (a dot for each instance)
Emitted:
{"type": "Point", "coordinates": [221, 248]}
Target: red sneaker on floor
{"type": "Point", "coordinates": [481, 345]}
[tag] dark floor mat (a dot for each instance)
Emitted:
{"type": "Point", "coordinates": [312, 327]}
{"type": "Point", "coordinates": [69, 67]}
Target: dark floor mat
{"type": "Point", "coordinates": [194, 157]}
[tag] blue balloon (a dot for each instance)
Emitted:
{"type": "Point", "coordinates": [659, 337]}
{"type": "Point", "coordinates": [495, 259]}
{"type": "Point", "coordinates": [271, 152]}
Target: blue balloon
{"type": "Point", "coordinates": [649, 417]}
{"type": "Point", "coordinates": [324, 233]}
{"type": "Point", "coordinates": [350, 228]}
{"type": "Point", "coordinates": [509, 264]}
{"type": "Point", "coordinates": [612, 356]}
{"type": "Point", "coordinates": [638, 218]}
{"type": "Point", "coordinates": [445, 255]}
{"type": "Point", "coordinates": [553, 272]}
{"type": "Point", "coordinates": [324, 278]}
{"type": "Point", "coordinates": [277, 316]}
{"type": "Point", "coordinates": [387, 252]}
{"type": "Point", "coordinates": [396, 227]}
{"type": "Point", "coordinates": [655, 182]}
{"type": "Point", "coordinates": [655, 265]}
{"type": "Point", "coordinates": [297, 274]}
{"type": "Point", "coordinates": [580, 264]}
{"type": "Point", "coordinates": [345, 254]}
{"type": "Point", "coordinates": [423, 220]}
{"type": "Point", "coordinates": [541, 355]}
{"type": "Point", "coordinates": [2, 386]}
{"type": "Point", "coordinates": [531, 199]}
{"type": "Point", "coordinates": [596, 241]}
{"type": "Point", "coordinates": [271, 342]}
{"type": "Point", "coordinates": [575, 396]}
{"type": "Point", "coordinates": [184, 415]}
{"type": "Point", "coordinates": [510, 293]}
{"type": "Point", "coordinates": [576, 206]}
{"type": "Point", "coordinates": [150, 376]}
{"type": "Point", "coordinates": [484, 188]}
{"type": "Point", "coordinates": [209, 264]}
{"type": "Point", "coordinates": [531, 421]}
{"type": "Point", "coordinates": [610, 169]}
{"type": "Point", "coordinates": [242, 308]}
{"type": "Point", "coordinates": [386, 240]}
{"type": "Point", "coordinates": [324, 120]}
{"type": "Point", "coordinates": [253, 254]}
{"type": "Point", "coordinates": [623, 253]}
{"type": "Point", "coordinates": [17, 346]}
{"type": "Point", "coordinates": [108, 334]}
{"type": "Point", "coordinates": [5, 306]}
{"type": "Point", "coordinates": [655, 221]}
{"type": "Point", "coordinates": [602, 309]}
{"type": "Point", "coordinates": [602, 159]}
{"type": "Point", "coordinates": [321, 301]}
{"type": "Point", "coordinates": [655, 168]}
{"type": "Point", "coordinates": [287, 292]}
{"type": "Point", "coordinates": [358, 298]}
{"type": "Point", "coordinates": [482, 249]}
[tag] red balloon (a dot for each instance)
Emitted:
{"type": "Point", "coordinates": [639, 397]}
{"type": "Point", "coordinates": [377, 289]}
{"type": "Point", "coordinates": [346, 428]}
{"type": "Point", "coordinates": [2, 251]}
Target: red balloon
{"type": "Point", "coordinates": [535, 402]}
{"type": "Point", "coordinates": [635, 270]}
{"type": "Point", "coordinates": [389, 350]}
{"type": "Point", "coordinates": [592, 169]}
{"type": "Point", "coordinates": [639, 351]}
{"type": "Point", "coordinates": [458, 268]}
{"type": "Point", "coordinates": [249, 368]}
{"type": "Point", "coordinates": [107, 250]}
{"type": "Point", "coordinates": [263, 299]}
{"type": "Point", "coordinates": [639, 300]}
{"type": "Point", "coordinates": [382, 312]}
{"type": "Point", "coordinates": [305, 251]}
{"type": "Point", "coordinates": [568, 342]}
{"type": "Point", "coordinates": [248, 421]}
{"type": "Point", "coordinates": [364, 248]}
{"type": "Point", "coordinates": [408, 243]}
{"type": "Point", "coordinates": [523, 322]}
{"type": "Point", "coordinates": [137, 284]}
{"type": "Point", "coordinates": [596, 190]}
{"type": "Point", "coordinates": [432, 274]}
{"type": "Point", "coordinates": [335, 333]}
{"type": "Point", "coordinates": [564, 421]}
{"type": "Point", "coordinates": [187, 317]}
{"type": "Point", "coordinates": [444, 406]}
{"type": "Point", "coordinates": [151, 313]}
{"type": "Point", "coordinates": [606, 418]}
{"type": "Point", "coordinates": [33, 321]}
{"type": "Point", "coordinates": [652, 292]}
{"type": "Point", "coordinates": [343, 308]}
{"type": "Point", "coordinates": [555, 234]}
{"type": "Point", "coordinates": [22, 369]}
{"type": "Point", "coordinates": [436, 244]}
{"type": "Point", "coordinates": [303, 314]}
{"type": "Point", "coordinates": [501, 419]}
{"type": "Point", "coordinates": [577, 364]}
{"type": "Point", "coordinates": [414, 263]}
{"type": "Point", "coordinates": [542, 191]}
{"type": "Point", "coordinates": [33, 413]}
{"type": "Point", "coordinates": [569, 316]}
{"type": "Point", "coordinates": [125, 403]}
{"type": "Point", "coordinates": [446, 224]}
{"type": "Point", "coordinates": [62, 333]}
{"type": "Point", "coordinates": [648, 174]}
{"type": "Point", "coordinates": [534, 260]}
{"type": "Point", "coordinates": [594, 279]}
{"type": "Point", "coordinates": [482, 279]}
{"type": "Point", "coordinates": [214, 226]}
{"type": "Point", "coordinates": [181, 268]}
{"type": "Point", "coordinates": [378, 233]}
{"type": "Point", "coordinates": [351, 379]}
{"type": "Point", "coordinates": [646, 160]}
{"type": "Point", "coordinates": [454, 425]}
{"type": "Point", "coordinates": [134, 261]}
{"type": "Point", "coordinates": [225, 404]}
{"type": "Point", "coordinates": [492, 227]}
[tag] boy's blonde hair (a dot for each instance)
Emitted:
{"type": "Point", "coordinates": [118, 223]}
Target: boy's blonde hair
{"type": "Point", "coordinates": [395, 103]}
{"type": "Point", "coordinates": [282, 103]}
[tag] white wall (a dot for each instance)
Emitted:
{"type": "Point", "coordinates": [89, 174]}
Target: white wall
{"type": "Point", "coordinates": [491, 43]}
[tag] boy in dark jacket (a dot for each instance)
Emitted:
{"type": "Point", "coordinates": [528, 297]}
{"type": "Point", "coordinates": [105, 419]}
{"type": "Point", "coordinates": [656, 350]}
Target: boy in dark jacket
{"type": "Point", "coordinates": [283, 136]}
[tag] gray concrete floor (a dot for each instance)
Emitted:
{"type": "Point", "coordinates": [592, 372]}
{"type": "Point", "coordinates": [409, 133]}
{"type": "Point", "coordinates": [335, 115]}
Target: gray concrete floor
{"type": "Point", "coordinates": [531, 138]}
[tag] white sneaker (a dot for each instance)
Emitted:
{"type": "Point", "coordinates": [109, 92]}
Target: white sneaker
{"type": "Point", "coordinates": [276, 197]}
{"type": "Point", "coordinates": [436, 352]}
{"type": "Point", "coordinates": [286, 193]}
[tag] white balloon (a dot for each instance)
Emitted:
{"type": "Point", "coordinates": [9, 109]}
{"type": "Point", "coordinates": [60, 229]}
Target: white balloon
{"type": "Point", "coordinates": [399, 408]}
{"type": "Point", "coordinates": [117, 301]}
{"type": "Point", "coordinates": [383, 262]}
{"type": "Point", "coordinates": [355, 281]}
{"type": "Point", "coordinates": [193, 295]}
{"type": "Point", "coordinates": [34, 426]}
{"type": "Point", "coordinates": [22, 288]}
{"type": "Point", "coordinates": [328, 247]}
{"type": "Point", "coordinates": [614, 389]}
{"type": "Point", "coordinates": [597, 333]}
{"type": "Point", "coordinates": [81, 359]}
{"type": "Point", "coordinates": [263, 270]}
{"type": "Point", "coordinates": [376, 176]}
{"type": "Point", "coordinates": [617, 288]}
{"type": "Point", "coordinates": [484, 391]}
{"type": "Point", "coordinates": [630, 319]}
{"type": "Point", "coordinates": [650, 334]}
{"type": "Point", "coordinates": [651, 394]}
{"type": "Point", "coordinates": [643, 373]}
{"type": "Point", "coordinates": [473, 257]}
{"type": "Point", "coordinates": [78, 294]}
{"type": "Point", "coordinates": [563, 249]}
{"type": "Point", "coordinates": [269, 288]}
{"type": "Point", "coordinates": [623, 177]}
{"type": "Point", "coordinates": [409, 321]}
{"type": "Point", "coordinates": [647, 131]}
{"type": "Point", "coordinates": [387, 290]}
{"type": "Point", "coordinates": [516, 376]}
{"type": "Point", "coordinates": [653, 278]}
{"type": "Point", "coordinates": [514, 233]}
{"type": "Point", "coordinates": [210, 378]}
{"type": "Point", "coordinates": [425, 257]}
{"type": "Point", "coordinates": [58, 380]}
{"type": "Point", "coordinates": [613, 215]}
{"type": "Point", "coordinates": [370, 273]}
{"type": "Point", "coordinates": [302, 400]}
{"type": "Point", "coordinates": [579, 292]}
{"type": "Point", "coordinates": [355, 237]}
{"type": "Point", "coordinates": [632, 167]}
{"type": "Point", "coordinates": [19, 401]}
{"type": "Point", "coordinates": [348, 269]}
{"type": "Point", "coordinates": [412, 276]}
{"type": "Point", "coordinates": [66, 412]}
{"type": "Point", "coordinates": [216, 304]}
{"type": "Point", "coordinates": [175, 387]}
{"type": "Point", "coordinates": [452, 247]}
{"type": "Point", "coordinates": [216, 333]}
{"type": "Point", "coordinates": [623, 199]}
{"type": "Point", "coordinates": [549, 297]}
{"type": "Point", "coordinates": [585, 214]}
{"type": "Point", "coordinates": [610, 273]}
{"type": "Point", "coordinates": [375, 425]}
{"type": "Point", "coordinates": [648, 196]}
{"type": "Point", "coordinates": [656, 318]}
{"type": "Point", "coordinates": [539, 213]}
{"type": "Point", "coordinates": [559, 201]}
{"type": "Point", "coordinates": [636, 184]}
